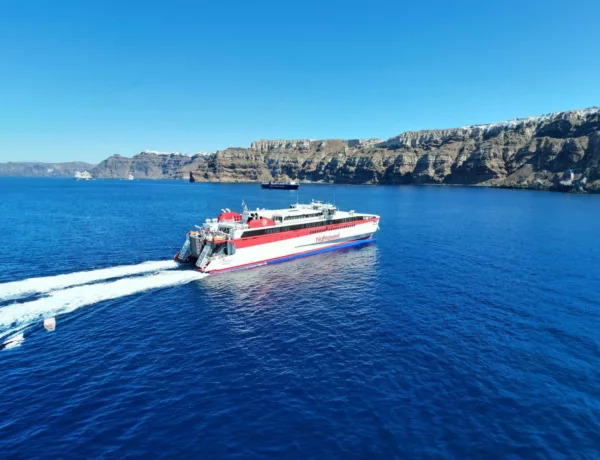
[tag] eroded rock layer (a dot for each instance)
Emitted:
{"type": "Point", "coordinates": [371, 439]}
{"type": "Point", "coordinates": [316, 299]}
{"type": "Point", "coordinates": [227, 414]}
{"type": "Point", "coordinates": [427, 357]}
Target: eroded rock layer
{"type": "Point", "coordinates": [559, 151]}
{"type": "Point", "coordinates": [38, 169]}
{"type": "Point", "coordinates": [149, 165]}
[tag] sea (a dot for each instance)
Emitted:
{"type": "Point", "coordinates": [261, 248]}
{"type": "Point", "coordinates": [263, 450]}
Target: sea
{"type": "Point", "coordinates": [469, 328]}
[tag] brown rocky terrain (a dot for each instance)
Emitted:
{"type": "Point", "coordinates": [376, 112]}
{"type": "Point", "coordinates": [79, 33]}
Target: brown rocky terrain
{"type": "Point", "coordinates": [37, 169]}
{"type": "Point", "coordinates": [559, 151]}
{"type": "Point", "coordinates": [148, 165]}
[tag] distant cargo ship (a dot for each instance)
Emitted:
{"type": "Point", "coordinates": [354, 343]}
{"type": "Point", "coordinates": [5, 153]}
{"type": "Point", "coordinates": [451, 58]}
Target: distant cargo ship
{"type": "Point", "coordinates": [290, 185]}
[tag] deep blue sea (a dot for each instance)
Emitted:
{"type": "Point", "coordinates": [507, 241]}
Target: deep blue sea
{"type": "Point", "coordinates": [469, 329]}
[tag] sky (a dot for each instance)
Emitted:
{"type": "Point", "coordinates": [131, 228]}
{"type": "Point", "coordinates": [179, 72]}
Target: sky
{"type": "Point", "coordinates": [82, 80]}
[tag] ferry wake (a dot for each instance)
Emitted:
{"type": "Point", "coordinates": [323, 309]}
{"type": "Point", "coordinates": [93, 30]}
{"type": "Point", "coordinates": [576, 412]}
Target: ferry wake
{"type": "Point", "coordinates": [235, 241]}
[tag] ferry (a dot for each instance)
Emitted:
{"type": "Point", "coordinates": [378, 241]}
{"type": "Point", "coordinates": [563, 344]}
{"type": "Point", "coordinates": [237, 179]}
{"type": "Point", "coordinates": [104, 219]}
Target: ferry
{"type": "Point", "coordinates": [234, 241]}
{"type": "Point", "coordinates": [82, 175]}
{"type": "Point", "coordinates": [290, 185]}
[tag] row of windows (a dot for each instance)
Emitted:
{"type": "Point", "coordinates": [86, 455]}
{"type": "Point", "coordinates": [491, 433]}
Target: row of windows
{"type": "Point", "coordinates": [268, 231]}
{"type": "Point", "coordinates": [325, 229]}
{"type": "Point", "coordinates": [303, 216]}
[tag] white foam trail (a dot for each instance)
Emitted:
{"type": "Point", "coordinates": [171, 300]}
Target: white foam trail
{"type": "Point", "coordinates": [67, 300]}
{"type": "Point", "coordinates": [45, 284]}
{"type": "Point", "coordinates": [14, 341]}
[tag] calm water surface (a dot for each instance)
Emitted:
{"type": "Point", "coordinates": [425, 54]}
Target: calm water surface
{"type": "Point", "coordinates": [469, 329]}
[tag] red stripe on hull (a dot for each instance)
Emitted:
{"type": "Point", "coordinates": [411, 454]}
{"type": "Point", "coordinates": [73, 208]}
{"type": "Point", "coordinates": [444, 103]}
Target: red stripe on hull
{"type": "Point", "coordinates": [272, 238]}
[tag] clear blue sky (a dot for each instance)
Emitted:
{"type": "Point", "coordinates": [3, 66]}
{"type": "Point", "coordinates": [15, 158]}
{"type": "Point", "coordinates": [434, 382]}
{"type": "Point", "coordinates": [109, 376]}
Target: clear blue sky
{"type": "Point", "coordinates": [81, 80]}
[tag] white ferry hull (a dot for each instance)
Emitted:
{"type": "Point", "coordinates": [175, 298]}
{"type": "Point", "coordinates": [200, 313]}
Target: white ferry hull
{"type": "Point", "coordinates": [280, 251]}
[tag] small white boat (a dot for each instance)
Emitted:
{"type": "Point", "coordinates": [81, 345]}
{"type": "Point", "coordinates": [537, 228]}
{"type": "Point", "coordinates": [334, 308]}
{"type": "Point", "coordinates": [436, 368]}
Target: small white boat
{"type": "Point", "coordinates": [82, 175]}
{"type": "Point", "coordinates": [130, 177]}
{"type": "Point", "coordinates": [50, 324]}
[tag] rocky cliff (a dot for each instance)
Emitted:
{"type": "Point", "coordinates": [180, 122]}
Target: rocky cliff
{"type": "Point", "coordinates": [35, 169]}
{"type": "Point", "coordinates": [559, 151]}
{"type": "Point", "coordinates": [149, 165]}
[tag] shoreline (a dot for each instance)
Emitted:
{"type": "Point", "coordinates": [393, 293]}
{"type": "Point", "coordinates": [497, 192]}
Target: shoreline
{"type": "Point", "coordinates": [498, 187]}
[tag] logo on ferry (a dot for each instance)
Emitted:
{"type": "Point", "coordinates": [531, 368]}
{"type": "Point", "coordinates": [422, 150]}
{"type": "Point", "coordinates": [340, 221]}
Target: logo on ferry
{"type": "Point", "coordinates": [321, 239]}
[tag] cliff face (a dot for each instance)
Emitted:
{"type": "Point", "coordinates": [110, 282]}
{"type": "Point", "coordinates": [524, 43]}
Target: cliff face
{"type": "Point", "coordinates": [148, 165]}
{"type": "Point", "coordinates": [559, 151]}
{"type": "Point", "coordinates": [35, 169]}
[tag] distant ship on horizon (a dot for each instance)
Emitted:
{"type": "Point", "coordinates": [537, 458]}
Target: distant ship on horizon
{"type": "Point", "coordinates": [130, 177]}
{"type": "Point", "coordinates": [82, 175]}
{"type": "Point", "coordinates": [289, 185]}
